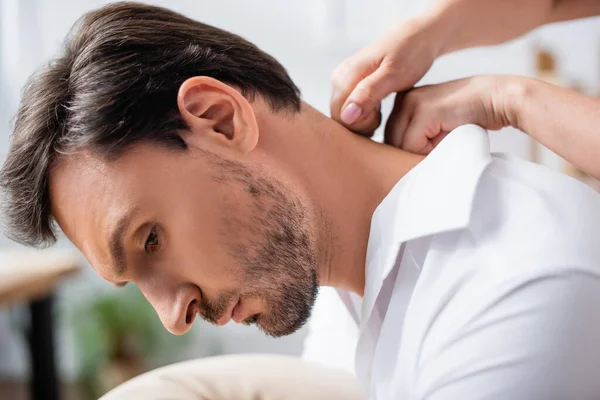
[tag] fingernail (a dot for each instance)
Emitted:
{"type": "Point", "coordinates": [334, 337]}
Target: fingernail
{"type": "Point", "coordinates": [351, 113]}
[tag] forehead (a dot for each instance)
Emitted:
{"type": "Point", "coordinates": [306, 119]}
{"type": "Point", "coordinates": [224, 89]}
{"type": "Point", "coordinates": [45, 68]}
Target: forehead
{"type": "Point", "coordinates": [84, 200]}
{"type": "Point", "coordinates": [88, 193]}
{"type": "Point", "coordinates": [84, 177]}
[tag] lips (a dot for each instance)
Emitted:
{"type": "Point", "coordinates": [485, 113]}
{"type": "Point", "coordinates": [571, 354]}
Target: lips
{"type": "Point", "coordinates": [228, 314]}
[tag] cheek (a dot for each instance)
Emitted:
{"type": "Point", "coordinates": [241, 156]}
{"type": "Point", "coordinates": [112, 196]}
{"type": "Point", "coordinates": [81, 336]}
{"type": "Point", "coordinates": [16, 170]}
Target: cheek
{"type": "Point", "coordinates": [199, 243]}
{"type": "Point", "coordinates": [205, 221]}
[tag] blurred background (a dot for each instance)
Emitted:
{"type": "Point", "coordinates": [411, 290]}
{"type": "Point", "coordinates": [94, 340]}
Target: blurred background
{"type": "Point", "coordinates": [104, 335]}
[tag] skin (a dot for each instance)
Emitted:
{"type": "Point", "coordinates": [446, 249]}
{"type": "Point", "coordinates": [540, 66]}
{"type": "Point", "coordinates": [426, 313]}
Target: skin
{"type": "Point", "coordinates": [244, 224]}
{"type": "Point", "coordinates": [564, 120]}
{"type": "Point", "coordinates": [397, 61]}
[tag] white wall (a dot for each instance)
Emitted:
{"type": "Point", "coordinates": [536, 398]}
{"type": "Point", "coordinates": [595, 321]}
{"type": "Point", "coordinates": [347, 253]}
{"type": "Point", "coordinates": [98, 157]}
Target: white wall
{"type": "Point", "coordinates": [310, 38]}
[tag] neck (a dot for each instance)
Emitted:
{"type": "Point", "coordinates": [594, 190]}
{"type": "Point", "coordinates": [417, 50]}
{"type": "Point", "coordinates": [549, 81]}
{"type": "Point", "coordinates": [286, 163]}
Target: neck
{"type": "Point", "coordinates": [345, 177]}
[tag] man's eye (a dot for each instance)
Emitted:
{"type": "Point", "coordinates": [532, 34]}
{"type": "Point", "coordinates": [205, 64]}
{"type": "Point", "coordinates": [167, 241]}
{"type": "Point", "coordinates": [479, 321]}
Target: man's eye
{"type": "Point", "coordinates": [151, 242]}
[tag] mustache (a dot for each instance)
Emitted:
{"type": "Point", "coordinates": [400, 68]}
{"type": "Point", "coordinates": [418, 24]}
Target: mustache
{"type": "Point", "coordinates": [251, 320]}
{"type": "Point", "coordinates": [212, 312]}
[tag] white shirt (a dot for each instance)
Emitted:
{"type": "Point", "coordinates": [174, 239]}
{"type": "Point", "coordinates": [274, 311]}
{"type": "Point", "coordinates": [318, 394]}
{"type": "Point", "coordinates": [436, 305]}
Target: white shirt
{"type": "Point", "coordinates": [482, 282]}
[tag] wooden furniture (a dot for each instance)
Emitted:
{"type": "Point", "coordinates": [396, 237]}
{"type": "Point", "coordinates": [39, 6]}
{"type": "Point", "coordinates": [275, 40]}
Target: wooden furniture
{"type": "Point", "coordinates": [31, 276]}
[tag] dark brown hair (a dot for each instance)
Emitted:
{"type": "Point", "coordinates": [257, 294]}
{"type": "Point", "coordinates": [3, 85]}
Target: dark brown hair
{"type": "Point", "coordinates": [115, 84]}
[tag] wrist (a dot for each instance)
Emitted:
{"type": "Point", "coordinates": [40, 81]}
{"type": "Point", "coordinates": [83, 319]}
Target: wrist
{"type": "Point", "coordinates": [515, 96]}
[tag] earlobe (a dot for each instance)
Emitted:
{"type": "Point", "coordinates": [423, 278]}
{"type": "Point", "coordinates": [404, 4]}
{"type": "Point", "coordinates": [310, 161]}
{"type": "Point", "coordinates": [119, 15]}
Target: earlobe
{"type": "Point", "coordinates": [217, 113]}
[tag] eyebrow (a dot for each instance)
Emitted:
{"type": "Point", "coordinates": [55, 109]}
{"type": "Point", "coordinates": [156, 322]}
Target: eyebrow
{"type": "Point", "coordinates": [117, 252]}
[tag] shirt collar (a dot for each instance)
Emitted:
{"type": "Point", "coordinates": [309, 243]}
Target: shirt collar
{"type": "Point", "coordinates": [434, 197]}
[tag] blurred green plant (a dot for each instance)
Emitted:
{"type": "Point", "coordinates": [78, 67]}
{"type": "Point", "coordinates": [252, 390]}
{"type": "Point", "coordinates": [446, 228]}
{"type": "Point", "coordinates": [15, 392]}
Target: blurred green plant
{"type": "Point", "coordinates": [118, 336]}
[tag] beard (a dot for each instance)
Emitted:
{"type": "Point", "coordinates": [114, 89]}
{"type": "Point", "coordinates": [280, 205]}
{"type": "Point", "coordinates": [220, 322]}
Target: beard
{"type": "Point", "coordinates": [273, 241]}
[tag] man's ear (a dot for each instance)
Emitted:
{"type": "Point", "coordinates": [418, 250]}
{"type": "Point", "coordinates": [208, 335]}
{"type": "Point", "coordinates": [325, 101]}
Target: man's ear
{"type": "Point", "coordinates": [217, 113]}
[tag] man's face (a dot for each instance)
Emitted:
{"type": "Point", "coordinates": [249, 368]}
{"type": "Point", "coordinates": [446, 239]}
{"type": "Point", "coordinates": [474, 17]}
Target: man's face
{"type": "Point", "coordinates": [196, 232]}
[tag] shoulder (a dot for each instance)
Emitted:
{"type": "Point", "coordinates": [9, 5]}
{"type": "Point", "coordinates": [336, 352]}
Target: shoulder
{"type": "Point", "coordinates": [538, 340]}
{"type": "Point", "coordinates": [526, 211]}
{"type": "Point", "coordinates": [509, 307]}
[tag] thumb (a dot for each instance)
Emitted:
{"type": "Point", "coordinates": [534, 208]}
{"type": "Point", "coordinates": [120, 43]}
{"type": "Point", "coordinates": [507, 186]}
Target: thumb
{"type": "Point", "coordinates": [366, 96]}
{"type": "Point", "coordinates": [422, 136]}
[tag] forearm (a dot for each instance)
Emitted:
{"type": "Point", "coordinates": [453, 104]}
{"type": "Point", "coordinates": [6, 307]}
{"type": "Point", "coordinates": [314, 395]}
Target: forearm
{"type": "Point", "coordinates": [470, 23]}
{"type": "Point", "coordinates": [563, 120]}
{"type": "Point", "coordinates": [564, 10]}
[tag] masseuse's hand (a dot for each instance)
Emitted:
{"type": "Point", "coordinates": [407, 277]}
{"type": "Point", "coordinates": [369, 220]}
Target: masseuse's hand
{"type": "Point", "coordinates": [392, 64]}
{"type": "Point", "coordinates": [561, 119]}
{"type": "Point", "coordinates": [398, 60]}
{"type": "Point", "coordinates": [422, 117]}
{"type": "Point", "coordinates": [564, 121]}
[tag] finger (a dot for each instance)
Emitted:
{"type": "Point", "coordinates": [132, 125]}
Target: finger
{"type": "Point", "coordinates": [398, 121]}
{"type": "Point", "coordinates": [367, 125]}
{"type": "Point", "coordinates": [421, 137]}
{"type": "Point", "coordinates": [367, 95]}
{"type": "Point", "coordinates": [344, 79]}
{"type": "Point", "coordinates": [437, 139]}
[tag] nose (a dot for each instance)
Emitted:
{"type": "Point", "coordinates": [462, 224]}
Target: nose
{"type": "Point", "coordinates": [177, 309]}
